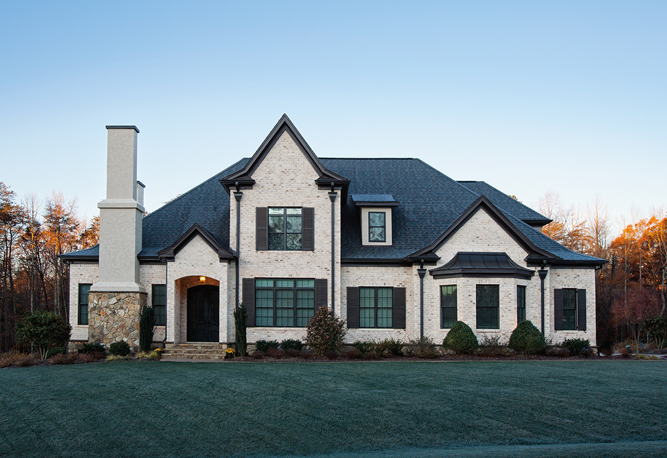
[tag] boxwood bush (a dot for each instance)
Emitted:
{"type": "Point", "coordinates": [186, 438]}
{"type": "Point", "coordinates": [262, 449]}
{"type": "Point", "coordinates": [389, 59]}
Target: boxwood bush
{"type": "Point", "coordinates": [526, 338]}
{"type": "Point", "coordinates": [576, 345]}
{"type": "Point", "coordinates": [291, 344]}
{"type": "Point", "coordinates": [265, 345]}
{"type": "Point", "coordinates": [461, 339]}
{"type": "Point", "coordinates": [121, 348]}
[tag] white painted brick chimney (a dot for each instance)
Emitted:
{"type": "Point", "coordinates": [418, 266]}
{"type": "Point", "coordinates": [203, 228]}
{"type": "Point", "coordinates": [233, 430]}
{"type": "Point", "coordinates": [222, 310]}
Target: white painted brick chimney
{"type": "Point", "coordinates": [120, 215]}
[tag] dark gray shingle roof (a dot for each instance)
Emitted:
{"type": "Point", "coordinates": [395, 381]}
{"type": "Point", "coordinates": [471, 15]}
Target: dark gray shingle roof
{"type": "Point", "coordinates": [429, 202]}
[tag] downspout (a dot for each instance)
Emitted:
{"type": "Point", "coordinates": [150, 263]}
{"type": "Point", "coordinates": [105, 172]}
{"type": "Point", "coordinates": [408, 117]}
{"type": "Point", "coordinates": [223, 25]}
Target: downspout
{"type": "Point", "coordinates": [166, 315]}
{"type": "Point", "coordinates": [543, 274]}
{"type": "Point", "coordinates": [422, 272]}
{"type": "Point", "coordinates": [332, 197]}
{"type": "Point", "coordinates": [237, 195]}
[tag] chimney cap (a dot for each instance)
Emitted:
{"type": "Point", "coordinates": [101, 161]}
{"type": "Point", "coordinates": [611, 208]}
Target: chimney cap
{"type": "Point", "coordinates": [123, 127]}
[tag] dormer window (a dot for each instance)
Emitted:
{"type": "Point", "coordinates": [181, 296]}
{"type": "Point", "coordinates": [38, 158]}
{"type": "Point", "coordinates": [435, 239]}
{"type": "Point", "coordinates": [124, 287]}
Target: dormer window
{"type": "Point", "coordinates": [377, 230]}
{"type": "Point", "coordinates": [376, 218]}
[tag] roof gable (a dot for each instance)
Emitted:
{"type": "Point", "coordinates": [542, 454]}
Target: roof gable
{"type": "Point", "coordinates": [170, 252]}
{"type": "Point", "coordinates": [243, 178]}
{"type": "Point", "coordinates": [482, 203]}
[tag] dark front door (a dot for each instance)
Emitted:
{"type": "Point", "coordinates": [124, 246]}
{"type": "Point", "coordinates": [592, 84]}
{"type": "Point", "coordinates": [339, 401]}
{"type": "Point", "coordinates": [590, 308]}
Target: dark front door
{"type": "Point", "coordinates": [203, 313]}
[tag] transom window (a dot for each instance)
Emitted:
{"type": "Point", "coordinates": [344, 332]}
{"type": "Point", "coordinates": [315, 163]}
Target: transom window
{"type": "Point", "coordinates": [520, 304]}
{"type": "Point", "coordinates": [448, 302]}
{"type": "Point", "coordinates": [284, 302]}
{"type": "Point", "coordinates": [285, 229]}
{"type": "Point", "coordinates": [159, 303]}
{"type": "Point", "coordinates": [569, 309]}
{"type": "Point", "coordinates": [83, 303]}
{"type": "Point", "coordinates": [376, 227]}
{"type": "Point", "coordinates": [488, 304]}
{"type": "Point", "coordinates": [375, 307]}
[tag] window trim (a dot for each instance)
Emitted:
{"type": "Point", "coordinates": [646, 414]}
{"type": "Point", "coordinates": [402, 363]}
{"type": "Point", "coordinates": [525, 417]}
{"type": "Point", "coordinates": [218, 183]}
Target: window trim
{"type": "Point", "coordinates": [365, 225]}
{"type": "Point", "coordinates": [274, 307]}
{"type": "Point", "coordinates": [375, 307]}
{"type": "Point", "coordinates": [442, 305]}
{"type": "Point", "coordinates": [154, 305]}
{"type": "Point", "coordinates": [86, 305]}
{"type": "Point", "coordinates": [284, 215]}
{"type": "Point", "coordinates": [496, 307]}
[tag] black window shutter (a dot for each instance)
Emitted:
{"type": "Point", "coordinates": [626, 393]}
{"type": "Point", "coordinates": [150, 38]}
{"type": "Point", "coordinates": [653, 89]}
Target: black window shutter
{"type": "Point", "coordinates": [581, 309]}
{"type": "Point", "coordinates": [249, 300]}
{"type": "Point", "coordinates": [262, 228]}
{"type": "Point", "coordinates": [398, 311]}
{"type": "Point", "coordinates": [320, 293]}
{"type": "Point", "coordinates": [308, 229]}
{"type": "Point", "coordinates": [558, 309]}
{"type": "Point", "coordinates": [352, 307]}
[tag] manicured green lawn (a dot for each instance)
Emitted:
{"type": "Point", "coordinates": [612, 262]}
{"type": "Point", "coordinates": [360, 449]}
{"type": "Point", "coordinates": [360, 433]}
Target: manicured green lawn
{"type": "Point", "coordinates": [415, 409]}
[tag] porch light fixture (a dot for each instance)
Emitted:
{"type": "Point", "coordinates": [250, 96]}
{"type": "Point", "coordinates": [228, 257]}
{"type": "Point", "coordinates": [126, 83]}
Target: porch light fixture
{"type": "Point", "coordinates": [202, 279]}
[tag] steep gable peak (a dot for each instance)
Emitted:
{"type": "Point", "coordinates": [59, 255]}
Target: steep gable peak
{"type": "Point", "coordinates": [243, 178]}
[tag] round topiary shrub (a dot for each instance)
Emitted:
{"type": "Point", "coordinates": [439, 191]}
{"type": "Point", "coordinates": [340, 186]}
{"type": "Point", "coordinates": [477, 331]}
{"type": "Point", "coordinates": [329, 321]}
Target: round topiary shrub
{"type": "Point", "coordinates": [526, 338]}
{"type": "Point", "coordinates": [461, 339]}
{"type": "Point", "coordinates": [121, 348]}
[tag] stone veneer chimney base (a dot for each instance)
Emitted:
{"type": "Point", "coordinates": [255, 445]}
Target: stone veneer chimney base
{"type": "Point", "coordinates": [114, 316]}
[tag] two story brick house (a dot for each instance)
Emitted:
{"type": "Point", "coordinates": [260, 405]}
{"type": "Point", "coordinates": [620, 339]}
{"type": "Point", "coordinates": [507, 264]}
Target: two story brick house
{"type": "Point", "coordinates": [393, 246]}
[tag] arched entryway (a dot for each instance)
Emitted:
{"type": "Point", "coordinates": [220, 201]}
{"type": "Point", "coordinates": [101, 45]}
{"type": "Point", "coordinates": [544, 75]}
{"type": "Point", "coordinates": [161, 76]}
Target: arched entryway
{"type": "Point", "coordinates": [203, 313]}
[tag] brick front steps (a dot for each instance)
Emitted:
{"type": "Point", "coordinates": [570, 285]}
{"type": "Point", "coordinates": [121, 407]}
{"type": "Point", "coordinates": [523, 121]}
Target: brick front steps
{"type": "Point", "coordinates": [195, 350]}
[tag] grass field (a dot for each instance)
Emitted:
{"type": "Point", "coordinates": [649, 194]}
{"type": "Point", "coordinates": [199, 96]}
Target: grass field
{"type": "Point", "coordinates": [395, 409]}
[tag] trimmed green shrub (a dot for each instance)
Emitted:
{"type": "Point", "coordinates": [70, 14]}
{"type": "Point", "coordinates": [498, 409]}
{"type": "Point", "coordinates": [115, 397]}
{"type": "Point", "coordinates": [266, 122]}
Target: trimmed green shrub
{"type": "Point", "coordinates": [325, 332]}
{"type": "Point", "coordinates": [146, 326]}
{"type": "Point", "coordinates": [119, 348]}
{"type": "Point", "coordinates": [526, 338]}
{"type": "Point", "coordinates": [461, 339]}
{"type": "Point", "coordinates": [265, 345]}
{"type": "Point", "coordinates": [291, 344]}
{"type": "Point", "coordinates": [240, 319]}
{"type": "Point", "coordinates": [89, 348]}
{"type": "Point", "coordinates": [44, 330]}
{"type": "Point", "coordinates": [576, 345]}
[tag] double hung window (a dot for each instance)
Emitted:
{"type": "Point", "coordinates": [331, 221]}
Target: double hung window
{"type": "Point", "coordinates": [284, 302]}
{"type": "Point", "coordinates": [84, 290]}
{"type": "Point", "coordinates": [488, 304]}
{"type": "Point", "coordinates": [569, 309]}
{"type": "Point", "coordinates": [448, 304]}
{"type": "Point", "coordinates": [375, 307]}
{"type": "Point", "coordinates": [520, 304]}
{"type": "Point", "coordinates": [285, 229]}
{"type": "Point", "coordinates": [159, 303]}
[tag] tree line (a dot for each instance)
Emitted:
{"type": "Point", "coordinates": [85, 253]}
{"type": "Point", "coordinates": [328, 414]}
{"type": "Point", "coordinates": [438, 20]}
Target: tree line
{"type": "Point", "coordinates": [630, 288]}
{"type": "Point", "coordinates": [33, 234]}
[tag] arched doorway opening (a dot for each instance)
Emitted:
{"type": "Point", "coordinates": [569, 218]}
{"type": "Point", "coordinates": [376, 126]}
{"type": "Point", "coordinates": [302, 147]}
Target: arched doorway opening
{"type": "Point", "coordinates": [203, 313]}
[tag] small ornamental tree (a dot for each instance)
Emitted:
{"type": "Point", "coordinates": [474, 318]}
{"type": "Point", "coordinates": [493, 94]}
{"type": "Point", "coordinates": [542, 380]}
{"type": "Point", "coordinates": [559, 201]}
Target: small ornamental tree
{"type": "Point", "coordinates": [325, 332]}
{"type": "Point", "coordinates": [526, 338]}
{"type": "Point", "coordinates": [44, 330]}
{"type": "Point", "coordinates": [461, 339]}
{"type": "Point", "coordinates": [633, 308]}
{"type": "Point", "coordinates": [146, 325]}
{"type": "Point", "coordinates": [240, 319]}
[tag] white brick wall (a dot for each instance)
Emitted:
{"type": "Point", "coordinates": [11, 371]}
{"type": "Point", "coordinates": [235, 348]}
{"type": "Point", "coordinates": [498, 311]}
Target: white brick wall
{"type": "Point", "coordinates": [80, 273]}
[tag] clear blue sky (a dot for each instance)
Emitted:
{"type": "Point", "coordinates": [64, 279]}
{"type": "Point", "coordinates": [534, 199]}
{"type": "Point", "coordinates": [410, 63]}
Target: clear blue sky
{"type": "Point", "coordinates": [527, 96]}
